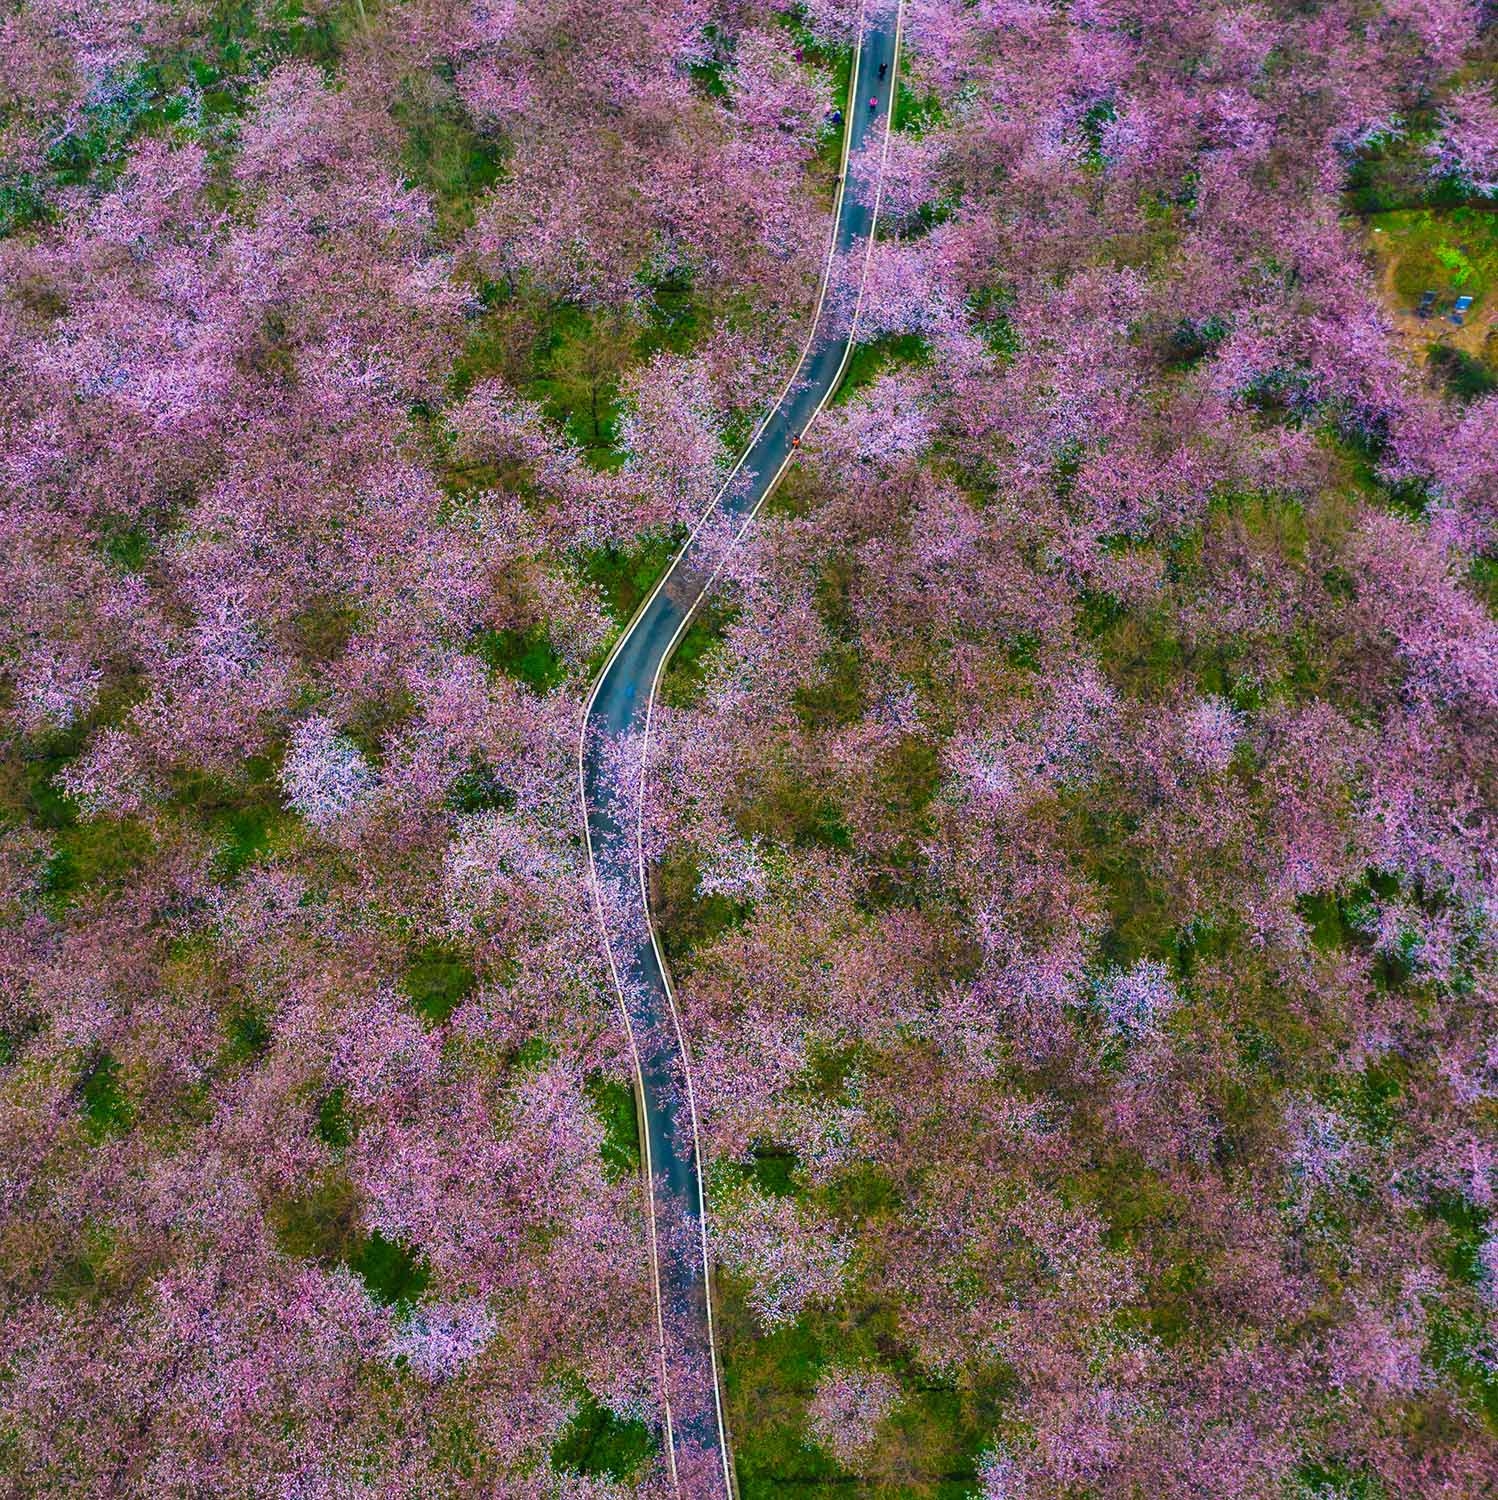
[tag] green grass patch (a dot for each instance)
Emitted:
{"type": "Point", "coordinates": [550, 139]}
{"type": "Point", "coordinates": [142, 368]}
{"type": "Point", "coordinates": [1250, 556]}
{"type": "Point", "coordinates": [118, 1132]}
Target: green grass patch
{"type": "Point", "coordinates": [247, 835]}
{"type": "Point", "coordinates": [927, 1448]}
{"type": "Point", "coordinates": [836, 696]}
{"type": "Point", "coordinates": [1462, 374]}
{"type": "Point", "coordinates": [1143, 650]}
{"type": "Point", "coordinates": [1458, 1342]}
{"type": "Point", "coordinates": [1389, 173]}
{"type": "Point", "coordinates": [247, 1035]}
{"type": "Point", "coordinates": [1467, 1228]}
{"type": "Point", "coordinates": [525, 655]}
{"type": "Point", "coordinates": [321, 1224]}
{"type": "Point", "coordinates": [772, 1170]}
{"type": "Point", "coordinates": [498, 345]}
{"type": "Point", "coordinates": [1144, 912]}
{"type": "Point", "coordinates": [910, 774]}
{"type": "Point", "coordinates": [437, 980]}
{"type": "Point", "coordinates": [1173, 1299]}
{"type": "Point", "coordinates": [124, 101]}
{"type": "Point", "coordinates": [88, 1274]}
{"type": "Point", "coordinates": [599, 1442]}
{"type": "Point", "coordinates": [374, 721]}
{"type": "Point", "coordinates": [1483, 581]}
{"type": "Point", "coordinates": [106, 1109]}
{"type": "Point", "coordinates": [335, 1124]}
{"type": "Point", "coordinates": [1341, 919]}
{"type": "Point", "coordinates": [787, 807]}
{"type": "Point", "coordinates": [23, 203]}
{"type": "Point", "coordinates": [1452, 252]}
{"type": "Point", "coordinates": [614, 1104]}
{"type": "Point", "coordinates": [573, 362]}
{"type": "Point", "coordinates": [1371, 1098]}
{"type": "Point", "coordinates": [625, 576]}
{"type": "Point", "coordinates": [580, 360]}
{"type": "Point", "coordinates": [917, 113]}
{"type": "Point", "coordinates": [532, 1055]}
{"type": "Point", "coordinates": [678, 315]}
{"type": "Point", "coordinates": [95, 857]}
{"type": "Point", "coordinates": [127, 544]}
{"type": "Point", "coordinates": [863, 1193]}
{"type": "Point", "coordinates": [681, 683]}
{"type": "Point", "coordinates": [687, 920]}
{"type": "Point", "coordinates": [1192, 340]}
{"type": "Point", "coordinates": [394, 1272]}
{"type": "Point", "coordinates": [990, 307]}
{"type": "Point", "coordinates": [708, 76]}
{"type": "Point", "coordinates": [707, 73]}
{"type": "Point", "coordinates": [445, 152]}
{"type": "Point", "coordinates": [1344, 921]}
{"type": "Point", "coordinates": [479, 788]}
{"type": "Point", "coordinates": [768, 1383]}
{"type": "Point", "coordinates": [834, 596]}
{"type": "Point", "coordinates": [1023, 650]}
{"type": "Point", "coordinates": [28, 779]}
{"type": "Point", "coordinates": [1328, 1479]}
{"type": "Point", "coordinates": [1128, 1196]}
{"type": "Point", "coordinates": [1098, 613]}
{"type": "Point", "coordinates": [244, 816]}
{"type": "Point", "coordinates": [869, 361]}
{"type": "Point", "coordinates": [1325, 914]}
{"type": "Point", "coordinates": [321, 631]}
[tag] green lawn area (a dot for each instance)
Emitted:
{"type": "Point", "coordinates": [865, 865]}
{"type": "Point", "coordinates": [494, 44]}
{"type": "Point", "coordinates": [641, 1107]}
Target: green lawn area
{"type": "Point", "coordinates": [916, 113]}
{"type": "Point", "coordinates": [323, 1225]}
{"type": "Point", "coordinates": [526, 655]}
{"type": "Point", "coordinates": [614, 1103]}
{"type": "Point", "coordinates": [926, 1450]}
{"type": "Point", "coordinates": [437, 980]}
{"type": "Point", "coordinates": [869, 361]}
{"type": "Point", "coordinates": [685, 919]}
{"type": "Point", "coordinates": [1452, 252]}
{"type": "Point", "coordinates": [580, 361]}
{"type": "Point", "coordinates": [246, 816]}
{"type": "Point", "coordinates": [681, 683]}
{"type": "Point", "coordinates": [394, 1272]}
{"type": "Point", "coordinates": [445, 153]}
{"type": "Point", "coordinates": [106, 1109]}
{"type": "Point", "coordinates": [625, 576]}
{"type": "Point", "coordinates": [599, 1443]}
{"type": "Point", "coordinates": [838, 63]}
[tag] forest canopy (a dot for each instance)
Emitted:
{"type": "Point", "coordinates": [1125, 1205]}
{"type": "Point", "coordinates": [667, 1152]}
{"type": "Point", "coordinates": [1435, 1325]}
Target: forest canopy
{"type": "Point", "coordinates": [1070, 819]}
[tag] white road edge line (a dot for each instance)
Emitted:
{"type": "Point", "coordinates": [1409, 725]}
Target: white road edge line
{"type": "Point", "coordinates": [624, 636]}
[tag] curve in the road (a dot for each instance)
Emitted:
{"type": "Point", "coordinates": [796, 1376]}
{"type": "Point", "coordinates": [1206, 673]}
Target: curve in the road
{"type": "Point", "coordinates": [617, 715]}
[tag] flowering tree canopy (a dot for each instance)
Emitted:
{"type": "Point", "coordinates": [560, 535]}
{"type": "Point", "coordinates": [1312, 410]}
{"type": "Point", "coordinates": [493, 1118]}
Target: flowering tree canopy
{"type": "Point", "coordinates": [1069, 819]}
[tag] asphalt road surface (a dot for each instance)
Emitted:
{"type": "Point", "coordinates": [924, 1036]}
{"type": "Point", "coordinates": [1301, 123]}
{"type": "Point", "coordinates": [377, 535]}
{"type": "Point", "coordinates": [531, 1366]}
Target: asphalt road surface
{"type": "Point", "coordinates": [696, 1436]}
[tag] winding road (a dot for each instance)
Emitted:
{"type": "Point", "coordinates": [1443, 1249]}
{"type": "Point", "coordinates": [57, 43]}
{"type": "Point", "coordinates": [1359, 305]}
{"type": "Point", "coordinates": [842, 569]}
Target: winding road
{"type": "Point", "coordinates": [617, 721]}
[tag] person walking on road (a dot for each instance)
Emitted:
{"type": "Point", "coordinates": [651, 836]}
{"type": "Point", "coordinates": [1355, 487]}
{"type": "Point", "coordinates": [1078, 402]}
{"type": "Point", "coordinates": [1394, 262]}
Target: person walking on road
{"type": "Point", "coordinates": [873, 106]}
{"type": "Point", "coordinates": [883, 69]}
